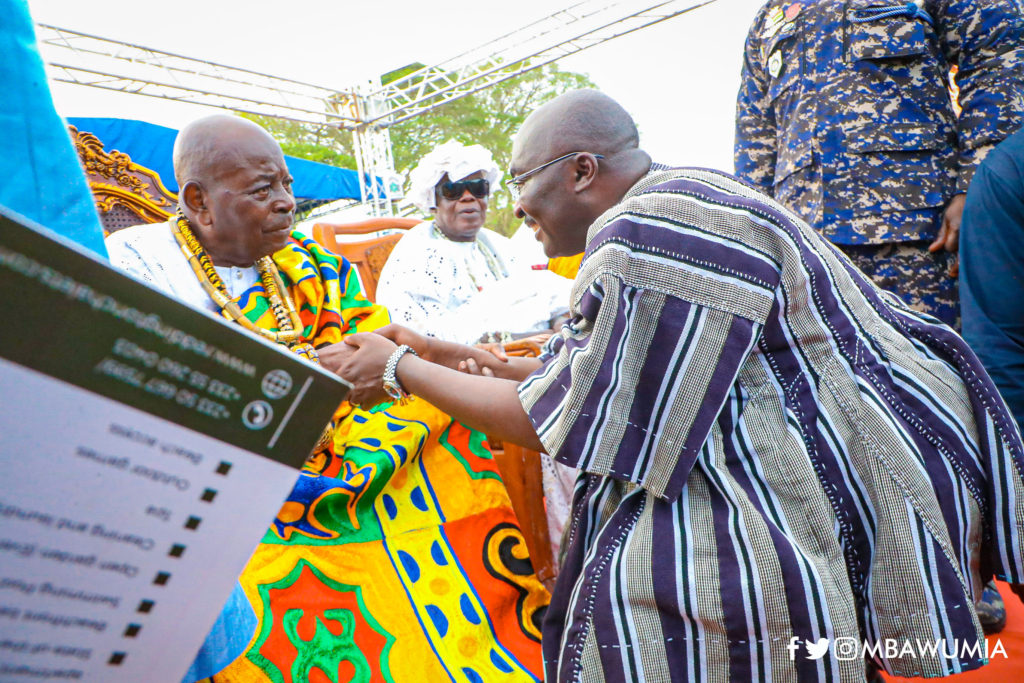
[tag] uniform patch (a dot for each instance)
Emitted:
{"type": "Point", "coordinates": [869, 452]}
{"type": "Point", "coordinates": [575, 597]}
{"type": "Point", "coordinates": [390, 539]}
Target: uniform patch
{"type": "Point", "coordinates": [793, 11]}
{"type": "Point", "coordinates": [775, 63]}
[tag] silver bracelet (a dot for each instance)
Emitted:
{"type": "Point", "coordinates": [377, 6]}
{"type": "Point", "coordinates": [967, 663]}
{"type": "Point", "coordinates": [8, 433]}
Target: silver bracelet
{"type": "Point", "coordinates": [391, 384]}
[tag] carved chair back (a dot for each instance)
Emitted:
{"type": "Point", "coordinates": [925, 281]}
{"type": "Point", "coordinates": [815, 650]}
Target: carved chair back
{"type": "Point", "coordinates": [126, 194]}
{"type": "Point", "coordinates": [368, 256]}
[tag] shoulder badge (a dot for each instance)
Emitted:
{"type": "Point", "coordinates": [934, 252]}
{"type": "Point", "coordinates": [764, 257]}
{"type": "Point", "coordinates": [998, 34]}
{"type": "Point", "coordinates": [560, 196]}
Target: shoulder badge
{"type": "Point", "coordinates": [771, 24]}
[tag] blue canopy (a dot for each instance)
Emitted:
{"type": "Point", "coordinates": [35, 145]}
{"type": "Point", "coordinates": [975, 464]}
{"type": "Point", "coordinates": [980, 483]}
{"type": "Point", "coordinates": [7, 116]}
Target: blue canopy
{"type": "Point", "coordinates": [151, 146]}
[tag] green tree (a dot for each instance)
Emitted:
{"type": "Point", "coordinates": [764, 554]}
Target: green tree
{"type": "Point", "coordinates": [489, 118]}
{"type": "Point", "coordinates": [321, 143]}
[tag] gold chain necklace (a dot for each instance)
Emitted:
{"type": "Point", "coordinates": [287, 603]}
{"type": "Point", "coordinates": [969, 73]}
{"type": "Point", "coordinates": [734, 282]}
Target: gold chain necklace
{"type": "Point", "coordinates": [288, 322]}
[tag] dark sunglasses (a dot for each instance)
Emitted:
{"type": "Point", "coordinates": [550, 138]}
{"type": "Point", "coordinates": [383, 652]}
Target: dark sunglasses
{"type": "Point", "coordinates": [479, 188]}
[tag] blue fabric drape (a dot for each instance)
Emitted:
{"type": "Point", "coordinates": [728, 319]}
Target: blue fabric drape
{"type": "Point", "coordinates": [227, 639]}
{"type": "Point", "coordinates": [40, 177]}
{"type": "Point", "coordinates": [151, 146]}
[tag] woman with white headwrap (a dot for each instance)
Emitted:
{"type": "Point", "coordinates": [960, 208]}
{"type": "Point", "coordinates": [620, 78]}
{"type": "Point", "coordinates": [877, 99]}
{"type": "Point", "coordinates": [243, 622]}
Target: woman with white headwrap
{"type": "Point", "coordinates": [450, 277]}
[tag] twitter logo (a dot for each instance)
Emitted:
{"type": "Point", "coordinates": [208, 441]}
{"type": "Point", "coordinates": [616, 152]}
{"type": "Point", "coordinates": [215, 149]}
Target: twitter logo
{"type": "Point", "coordinates": [816, 650]}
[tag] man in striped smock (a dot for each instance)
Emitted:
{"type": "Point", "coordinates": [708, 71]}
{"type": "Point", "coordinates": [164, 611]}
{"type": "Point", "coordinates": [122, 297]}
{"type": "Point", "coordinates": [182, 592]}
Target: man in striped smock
{"type": "Point", "coordinates": [783, 466]}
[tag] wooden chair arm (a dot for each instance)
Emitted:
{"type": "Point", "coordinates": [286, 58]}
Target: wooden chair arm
{"type": "Point", "coordinates": [529, 347]}
{"type": "Point", "coordinates": [524, 480]}
{"type": "Point", "coordinates": [370, 225]}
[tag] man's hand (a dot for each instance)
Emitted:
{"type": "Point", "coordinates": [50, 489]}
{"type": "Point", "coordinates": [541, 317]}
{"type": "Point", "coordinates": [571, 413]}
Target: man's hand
{"type": "Point", "coordinates": [949, 234]}
{"type": "Point", "coordinates": [334, 356]}
{"type": "Point", "coordinates": [364, 369]}
{"type": "Point", "coordinates": [420, 343]}
{"type": "Point", "coordinates": [494, 348]}
{"type": "Point", "coordinates": [470, 367]}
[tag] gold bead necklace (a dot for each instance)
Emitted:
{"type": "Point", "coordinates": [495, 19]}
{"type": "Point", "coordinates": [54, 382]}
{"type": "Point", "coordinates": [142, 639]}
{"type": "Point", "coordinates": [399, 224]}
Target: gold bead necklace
{"type": "Point", "coordinates": [288, 322]}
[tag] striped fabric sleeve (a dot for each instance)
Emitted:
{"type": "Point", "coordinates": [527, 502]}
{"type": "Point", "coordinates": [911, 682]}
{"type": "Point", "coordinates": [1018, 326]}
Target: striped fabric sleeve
{"type": "Point", "coordinates": [643, 372]}
{"type": "Point", "coordinates": [551, 348]}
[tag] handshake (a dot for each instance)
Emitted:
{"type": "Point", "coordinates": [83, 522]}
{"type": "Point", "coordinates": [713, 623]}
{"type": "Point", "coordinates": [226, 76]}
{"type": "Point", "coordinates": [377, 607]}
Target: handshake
{"type": "Point", "coordinates": [361, 359]}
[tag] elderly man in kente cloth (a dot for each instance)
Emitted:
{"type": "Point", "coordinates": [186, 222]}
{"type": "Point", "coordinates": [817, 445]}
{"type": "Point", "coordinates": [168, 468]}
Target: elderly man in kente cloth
{"type": "Point", "coordinates": [397, 556]}
{"type": "Point", "coordinates": [774, 451]}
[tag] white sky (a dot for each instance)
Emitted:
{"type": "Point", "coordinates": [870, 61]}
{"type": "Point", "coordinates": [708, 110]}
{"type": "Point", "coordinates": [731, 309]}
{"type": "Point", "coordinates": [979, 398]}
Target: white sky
{"type": "Point", "coordinates": [678, 79]}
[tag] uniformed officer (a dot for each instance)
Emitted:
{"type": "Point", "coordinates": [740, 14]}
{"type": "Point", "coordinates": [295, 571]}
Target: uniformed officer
{"type": "Point", "coordinates": [845, 116]}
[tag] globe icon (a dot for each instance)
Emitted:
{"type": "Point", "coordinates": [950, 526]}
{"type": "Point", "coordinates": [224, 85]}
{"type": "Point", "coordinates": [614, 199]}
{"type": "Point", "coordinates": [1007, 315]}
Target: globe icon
{"type": "Point", "coordinates": [276, 384]}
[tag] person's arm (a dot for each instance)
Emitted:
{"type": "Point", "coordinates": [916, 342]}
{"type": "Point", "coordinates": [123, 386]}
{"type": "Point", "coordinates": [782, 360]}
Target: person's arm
{"type": "Point", "coordinates": [755, 147]}
{"type": "Point", "coordinates": [460, 356]}
{"type": "Point", "coordinates": [668, 373]}
{"type": "Point", "coordinates": [487, 404]}
{"type": "Point", "coordinates": [949, 234]}
{"type": "Point", "coordinates": [984, 40]}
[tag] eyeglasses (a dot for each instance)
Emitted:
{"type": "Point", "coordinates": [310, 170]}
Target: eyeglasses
{"type": "Point", "coordinates": [515, 185]}
{"type": "Point", "coordinates": [478, 187]}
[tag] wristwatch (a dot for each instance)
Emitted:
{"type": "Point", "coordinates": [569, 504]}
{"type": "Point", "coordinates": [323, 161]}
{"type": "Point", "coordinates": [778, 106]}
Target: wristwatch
{"type": "Point", "coordinates": [391, 385]}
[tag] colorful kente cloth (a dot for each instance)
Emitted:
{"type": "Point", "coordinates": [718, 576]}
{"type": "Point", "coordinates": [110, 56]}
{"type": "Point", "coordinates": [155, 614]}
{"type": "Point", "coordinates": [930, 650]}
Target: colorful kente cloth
{"type": "Point", "coordinates": [397, 556]}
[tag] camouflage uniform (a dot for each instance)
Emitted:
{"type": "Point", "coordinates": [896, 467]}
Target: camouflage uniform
{"type": "Point", "coordinates": [921, 278]}
{"type": "Point", "coordinates": [844, 116]}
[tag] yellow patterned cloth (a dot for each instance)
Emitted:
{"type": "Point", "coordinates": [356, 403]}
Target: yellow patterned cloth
{"type": "Point", "coordinates": [397, 556]}
{"type": "Point", "coordinates": [566, 266]}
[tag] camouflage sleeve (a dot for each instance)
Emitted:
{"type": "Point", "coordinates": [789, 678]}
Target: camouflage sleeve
{"type": "Point", "coordinates": [984, 39]}
{"type": "Point", "coordinates": [754, 153]}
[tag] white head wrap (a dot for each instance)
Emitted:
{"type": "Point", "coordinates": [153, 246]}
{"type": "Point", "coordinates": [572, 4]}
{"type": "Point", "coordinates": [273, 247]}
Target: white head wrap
{"type": "Point", "coordinates": [455, 159]}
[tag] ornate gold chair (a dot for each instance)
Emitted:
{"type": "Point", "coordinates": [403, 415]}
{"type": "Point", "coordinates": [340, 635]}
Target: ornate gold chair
{"type": "Point", "coordinates": [126, 194]}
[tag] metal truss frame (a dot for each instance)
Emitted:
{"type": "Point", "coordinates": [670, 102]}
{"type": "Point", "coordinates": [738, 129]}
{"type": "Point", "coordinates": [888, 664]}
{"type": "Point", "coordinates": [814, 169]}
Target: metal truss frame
{"type": "Point", "coordinates": [559, 35]}
{"type": "Point", "coordinates": [124, 67]}
{"type": "Point", "coordinates": [368, 110]}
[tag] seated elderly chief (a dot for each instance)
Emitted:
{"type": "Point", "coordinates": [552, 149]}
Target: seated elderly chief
{"type": "Point", "coordinates": [397, 556]}
{"type": "Point", "coordinates": [782, 464]}
{"type": "Point", "coordinates": [450, 277]}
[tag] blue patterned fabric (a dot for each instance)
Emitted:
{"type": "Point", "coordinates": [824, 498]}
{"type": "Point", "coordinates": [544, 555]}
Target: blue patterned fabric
{"type": "Point", "coordinates": [844, 114]}
{"type": "Point", "coordinates": [227, 640]}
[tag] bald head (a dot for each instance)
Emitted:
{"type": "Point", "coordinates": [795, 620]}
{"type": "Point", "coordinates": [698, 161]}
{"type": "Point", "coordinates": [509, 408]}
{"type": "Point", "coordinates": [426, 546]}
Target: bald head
{"type": "Point", "coordinates": [206, 148]}
{"type": "Point", "coordinates": [579, 120]}
{"type": "Point", "coordinates": [566, 192]}
{"type": "Point", "coordinates": [235, 188]}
